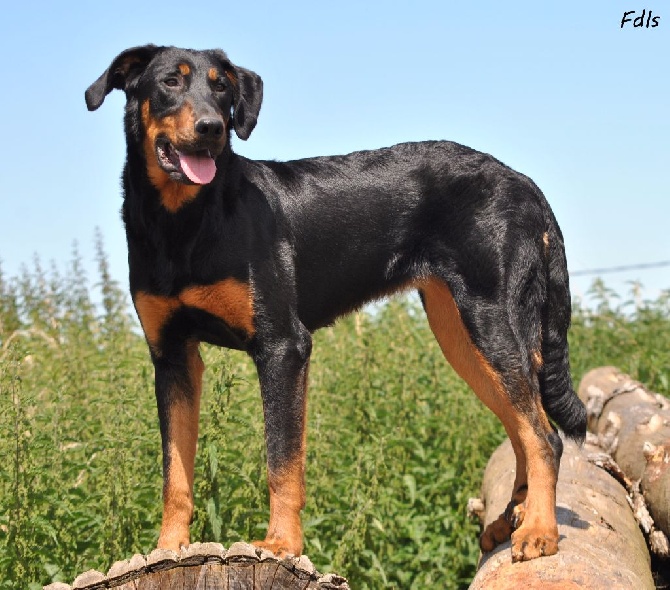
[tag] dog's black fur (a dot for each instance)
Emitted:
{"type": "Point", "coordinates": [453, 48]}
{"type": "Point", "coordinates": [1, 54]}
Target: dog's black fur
{"type": "Point", "coordinates": [267, 252]}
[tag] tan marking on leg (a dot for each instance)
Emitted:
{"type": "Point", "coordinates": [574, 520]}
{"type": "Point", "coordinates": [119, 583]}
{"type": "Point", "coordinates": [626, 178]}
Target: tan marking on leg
{"type": "Point", "coordinates": [287, 499]}
{"type": "Point", "coordinates": [179, 129]}
{"type": "Point", "coordinates": [534, 458]}
{"type": "Point", "coordinates": [542, 414]}
{"type": "Point", "coordinates": [154, 312]}
{"type": "Point", "coordinates": [183, 436]}
{"type": "Point", "coordinates": [454, 339]}
{"type": "Point", "coordinates": [230, 300]}
{"type": "Point", "coordinates": [537, 532]}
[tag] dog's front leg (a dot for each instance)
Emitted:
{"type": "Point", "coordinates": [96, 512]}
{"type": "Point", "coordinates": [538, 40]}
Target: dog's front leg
{"type": "Point", "coordinates": [178, 388]}
{"type": "Point", "coordinates": [282, 365]}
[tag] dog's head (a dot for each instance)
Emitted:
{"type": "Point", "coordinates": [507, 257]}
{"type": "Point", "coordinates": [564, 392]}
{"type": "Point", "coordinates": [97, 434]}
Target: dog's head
{"type": "Point", "coordinates": [180, 104]}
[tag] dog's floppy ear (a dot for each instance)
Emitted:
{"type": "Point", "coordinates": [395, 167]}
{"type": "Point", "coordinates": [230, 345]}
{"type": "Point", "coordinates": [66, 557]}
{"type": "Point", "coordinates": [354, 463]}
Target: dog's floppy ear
{"type": "Point", "coordinates": [247, 98]}
{"type": "Point", "coordinates": [247, 94]}
{"type": "Point", "coordinates": [125, 68]}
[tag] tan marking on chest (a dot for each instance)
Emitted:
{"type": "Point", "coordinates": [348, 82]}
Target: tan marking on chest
{"type": "Point", "coordinates": [176, 128]}
{"type": "Point", "coordinates": [154, 312]}
{"type": "Point", "coordinates": [229, 300]}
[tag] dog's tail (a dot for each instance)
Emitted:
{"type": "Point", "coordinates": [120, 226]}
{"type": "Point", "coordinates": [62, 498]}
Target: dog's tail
{"type": "Point", "coordinates": [558, 396]}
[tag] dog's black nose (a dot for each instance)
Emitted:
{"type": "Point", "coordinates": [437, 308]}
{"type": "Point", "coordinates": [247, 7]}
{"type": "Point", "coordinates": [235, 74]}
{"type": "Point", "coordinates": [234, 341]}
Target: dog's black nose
{"type": "Point", "coordinates": [209, 127]}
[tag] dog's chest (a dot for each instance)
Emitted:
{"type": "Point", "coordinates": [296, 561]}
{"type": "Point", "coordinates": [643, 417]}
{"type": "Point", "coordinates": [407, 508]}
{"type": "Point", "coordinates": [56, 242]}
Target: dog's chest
{"type": "Point", "coordinates": [196, 310]}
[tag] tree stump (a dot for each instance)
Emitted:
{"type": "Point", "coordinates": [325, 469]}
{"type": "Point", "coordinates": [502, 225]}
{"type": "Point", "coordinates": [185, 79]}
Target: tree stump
{"type": "Point", "coordinates": [600, 547]}
{"type": "Point", "coordinates": [633, 426]}
{"type": "Point", "coordinates": [208, 566]}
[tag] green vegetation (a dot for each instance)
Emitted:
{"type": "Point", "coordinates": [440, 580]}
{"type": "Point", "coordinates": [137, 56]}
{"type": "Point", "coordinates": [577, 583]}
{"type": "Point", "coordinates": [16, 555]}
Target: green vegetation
{"type": "Point", "coordinates": [633, 335]}
{"type": "Point", "coordinates": [397, 443]}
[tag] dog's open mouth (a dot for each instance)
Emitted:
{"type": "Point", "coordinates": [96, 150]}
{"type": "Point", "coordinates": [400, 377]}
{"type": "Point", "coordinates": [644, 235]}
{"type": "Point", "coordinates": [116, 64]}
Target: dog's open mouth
{"type": "Point", "coordinates": [197, 167]}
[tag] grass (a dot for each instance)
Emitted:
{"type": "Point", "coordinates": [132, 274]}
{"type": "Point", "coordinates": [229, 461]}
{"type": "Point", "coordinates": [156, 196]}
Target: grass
{"type": "Point", "coordinates": [397, 443]}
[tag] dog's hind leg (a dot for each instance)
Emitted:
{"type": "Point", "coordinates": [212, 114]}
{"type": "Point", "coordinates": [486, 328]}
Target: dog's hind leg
{"type": "Point", "coordinates": [515, 399]}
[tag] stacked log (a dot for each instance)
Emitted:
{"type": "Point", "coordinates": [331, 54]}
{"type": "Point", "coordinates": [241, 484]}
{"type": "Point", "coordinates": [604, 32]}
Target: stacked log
{"type": "Point", "coordinates": [632, 425]}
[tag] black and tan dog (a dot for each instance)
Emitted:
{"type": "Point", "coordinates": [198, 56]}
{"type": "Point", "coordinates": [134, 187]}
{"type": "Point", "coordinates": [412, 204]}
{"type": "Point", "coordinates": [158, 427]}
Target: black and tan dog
{"type": "Point", "coordinates": [256, 255]}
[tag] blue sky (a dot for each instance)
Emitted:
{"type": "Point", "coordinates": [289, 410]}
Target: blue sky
{"type": "Point", "coordinates": [556, 90]}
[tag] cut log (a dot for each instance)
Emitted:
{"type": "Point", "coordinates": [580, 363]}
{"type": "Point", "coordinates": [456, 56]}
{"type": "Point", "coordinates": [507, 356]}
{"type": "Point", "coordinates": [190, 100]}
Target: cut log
{"type": "Point", "coordinates": [633, 425]}
{"type": "Point", "coordinates": [208, 566]}
{"type": "Point", "coordinates": [601, 546]}
{"type": "Point", "coordinates": [655, 485]}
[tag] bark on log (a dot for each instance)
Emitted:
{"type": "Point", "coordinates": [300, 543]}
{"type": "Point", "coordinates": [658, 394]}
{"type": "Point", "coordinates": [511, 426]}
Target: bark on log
{"type": "Point", "coordinates": [600, 547]}
{"type": "Point", "coordinates": [208, 566]}
{"type": "Point", "coordinates": [633, 425]}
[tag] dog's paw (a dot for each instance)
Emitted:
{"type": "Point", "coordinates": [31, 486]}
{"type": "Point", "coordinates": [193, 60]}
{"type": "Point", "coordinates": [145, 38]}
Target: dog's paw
{"type": "Point", "coordinates": [280, 547]}
{"type": "Point", "coordinates": [174, 539]}
{"type": "Point", "coordinates": [530, 543]}
{"type": "Point", "coordinates": [500, 530]}
{"type": "Point", "coordinates": [497, 532]}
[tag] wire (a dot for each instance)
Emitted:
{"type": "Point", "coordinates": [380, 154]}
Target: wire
{"type": "Point", "coordinates": [600, 271]}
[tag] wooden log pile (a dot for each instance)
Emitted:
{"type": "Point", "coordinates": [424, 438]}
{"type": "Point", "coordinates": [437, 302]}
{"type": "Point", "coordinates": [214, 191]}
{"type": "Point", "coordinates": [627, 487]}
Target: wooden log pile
{"type": "Point", "coordinates": [208, 566]}
{"type": "Point", "coordinates": [603, 493]}
{"type": "Point", "coordinates": [632, 425]}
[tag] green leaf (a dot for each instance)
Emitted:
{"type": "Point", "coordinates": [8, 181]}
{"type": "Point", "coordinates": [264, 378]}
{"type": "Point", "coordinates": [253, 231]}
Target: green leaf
{"type": "Point", "coordinates": [214, 519]}
{"type": "Point", "coordinates": [213, 460]}
{"type": "Point", "coordinates": [410, 484]}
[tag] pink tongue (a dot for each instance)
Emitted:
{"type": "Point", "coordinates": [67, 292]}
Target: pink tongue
{"type": "Point", "coordinates": [199, 169]}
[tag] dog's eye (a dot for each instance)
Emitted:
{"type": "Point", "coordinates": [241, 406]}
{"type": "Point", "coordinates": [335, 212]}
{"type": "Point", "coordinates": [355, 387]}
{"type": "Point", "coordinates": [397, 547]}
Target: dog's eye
{"type": "Point", "coordinates": [220, 86]}
{"type": "Point", "coordinates": [172, 82]}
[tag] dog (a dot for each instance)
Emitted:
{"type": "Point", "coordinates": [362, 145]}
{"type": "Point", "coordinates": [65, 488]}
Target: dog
{"type": "Point", "coordinates": [256, 255]}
